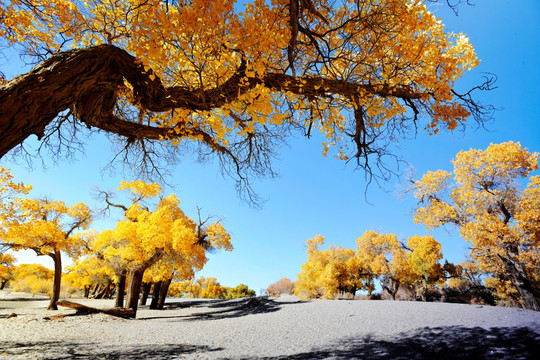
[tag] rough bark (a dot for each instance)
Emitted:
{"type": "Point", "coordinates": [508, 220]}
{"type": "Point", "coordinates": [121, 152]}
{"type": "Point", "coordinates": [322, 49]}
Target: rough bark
{"type": "Point", "coordinates": [163, 293]}
{"type": "Point", "coordinates": [120, 288]}
{"type": "Point", "coordinates": [519, 278]}
{"type": "Point", "coordinates": [103, 291]}
{"type": "Point", "coordinates": [134, 288]}
{"type": "Point", "coordinates": [86, 291]}
{"type": "Point", "coordinates": [391, 289]}
{"type": "Point", "coordinates": [86, 83]}
{"type": "Point", "coordinates": [144, 294]}
{"type": "Point", "coordinates": [110, 291]}
{"type": "Point", "coordinates": [96, 290]}
{"type": "Point", "coordinates": [85, 310]}
{"type": "Point", "coordinates": [57, 258]}
{"type": "Point", "coordinates": [155, 295]}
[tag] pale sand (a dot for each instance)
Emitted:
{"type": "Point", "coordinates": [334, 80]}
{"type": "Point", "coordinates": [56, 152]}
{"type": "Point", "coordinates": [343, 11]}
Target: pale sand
{"type": "Point", "coordinates": [269, 328]}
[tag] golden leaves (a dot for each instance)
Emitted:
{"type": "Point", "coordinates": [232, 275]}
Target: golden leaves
{"type": "Point", "coordinates": [163, 238]}
{"type": "Point", "coordinates": [199, 45]}
{"type": "Point", "coordinates": [484, 199]}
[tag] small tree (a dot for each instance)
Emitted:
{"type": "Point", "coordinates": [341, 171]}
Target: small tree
{"type": "Point", "coordinates": [329, 272]}
{"type": "Point", "coordinates": [485, 201]}
{"type": "Point", "coordinates": [382, 256]}
{"type": "Point", "coordinates": [47, 227]}
{"type": "Point", "coordinates": [424, 269]}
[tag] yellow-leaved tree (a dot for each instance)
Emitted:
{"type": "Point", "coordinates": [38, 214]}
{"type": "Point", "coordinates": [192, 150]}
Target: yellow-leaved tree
{"type": "Point", "coordinates": [233, 78]}
{"type": "Point", "coordinates": [202, 287]}
{"type": "Point", "coordinates": [331, 272]}
{"type": "Point", "coordinates": [483, 198]}
{"type": "Point", "coordinates": [90, 274]}
{"type": "Point", "coordinates": [48, 228]}
{"type": "Point", "coordinates": [424, 270]}
{"type": "Point", "coordinates": [382, 256]}
{"type": "Point", "coordinates": [145, 237]}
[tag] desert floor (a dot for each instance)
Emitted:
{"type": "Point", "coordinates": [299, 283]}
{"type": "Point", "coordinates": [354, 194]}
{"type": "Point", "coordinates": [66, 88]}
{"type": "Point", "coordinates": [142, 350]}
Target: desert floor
{"type": "Point", "coordinates": [269, 328]}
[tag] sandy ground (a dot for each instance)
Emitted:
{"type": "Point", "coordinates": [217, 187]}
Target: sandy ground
{"type": "Point", "coordinates": [269, 328]}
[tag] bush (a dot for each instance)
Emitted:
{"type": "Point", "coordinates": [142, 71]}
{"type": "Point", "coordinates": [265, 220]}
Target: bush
{"type": "Point", "coordinates": [32, 278]}
{"type": "Point", "coordinates": [241, 291]}
{"type": "Point", "coordinates": [283, 286]}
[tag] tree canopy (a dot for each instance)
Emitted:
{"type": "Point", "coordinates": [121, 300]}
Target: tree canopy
{"type": "Point", "coordinates": [234, 80]}
{"type": "Point", "coordinates": [500, 220]}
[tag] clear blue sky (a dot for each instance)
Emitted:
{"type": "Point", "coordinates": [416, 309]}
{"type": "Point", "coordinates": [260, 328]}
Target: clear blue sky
{"type": "Point", "coordinates": [316, 195]}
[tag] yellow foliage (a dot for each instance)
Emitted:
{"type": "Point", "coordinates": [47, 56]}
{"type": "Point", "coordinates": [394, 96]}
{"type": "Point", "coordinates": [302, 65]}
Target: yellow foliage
{"type": "Point", "coordinates": [208, 288]}
{"type": "Point", "coordinates": [423, 261]}
{"type": "Point", "coordinates": [199, 44]}
{"type": "Point", "coordinates": [163, 240]}
{"type": "Point", "coordinates": [328, 273]}
{"type": "Point", "coordinates": [89, 272]}
{"type": "Point", "coordinates": [32, 278]}
{"type": "Point", "coordinates": [8, 192]}
{"type": "Point", "coordinates": [6, 267]}
{"type": "Point", "coordinates": [47, 226]}
{"type": "Point", "coordinates": [485, 201]}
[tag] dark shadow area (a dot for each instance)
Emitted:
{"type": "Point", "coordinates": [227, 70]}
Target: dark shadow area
{"type": "Point", "coordinates": [190, 303]}
{"type": "Point", "coordinates": [67, 350]}
{"type": "Point", "coordinates": [23, 299]}
{"type": "Point", "coordinates": [435, 343]}
{"type": "Point", "coordinates": [226, 309]}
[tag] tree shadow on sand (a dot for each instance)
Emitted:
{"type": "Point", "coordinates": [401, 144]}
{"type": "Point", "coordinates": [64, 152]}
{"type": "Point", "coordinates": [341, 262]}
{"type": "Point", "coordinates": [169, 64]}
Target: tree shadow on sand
{"type": "Point", "coordinates": [435, 343]}
{"type": "Point", "coordinates": [74, 350]}
{"type": "Point", "coordinates": [227, 309]}
{"type": "Point", "coordinates": [24, 299]}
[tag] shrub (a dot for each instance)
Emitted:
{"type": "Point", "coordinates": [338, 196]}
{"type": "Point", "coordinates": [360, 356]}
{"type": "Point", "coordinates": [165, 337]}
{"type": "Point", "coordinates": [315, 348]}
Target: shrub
{"type": "Point", "coordinates": [283, 286]}
{"type": "Point", "coordinates": [241, 291]}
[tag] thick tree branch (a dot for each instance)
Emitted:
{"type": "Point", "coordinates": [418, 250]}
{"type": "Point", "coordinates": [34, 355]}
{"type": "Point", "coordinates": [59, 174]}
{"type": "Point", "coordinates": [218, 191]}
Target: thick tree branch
{"type": "Point", "coordinates": [87, 82]}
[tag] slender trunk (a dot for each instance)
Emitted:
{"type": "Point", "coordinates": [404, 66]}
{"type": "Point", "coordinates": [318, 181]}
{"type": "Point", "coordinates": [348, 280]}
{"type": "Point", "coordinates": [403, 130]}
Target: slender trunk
{"type": "Point", "coordinates": [3, 284]}
{"type": "Point", "coordinates": [57, 280]}
{"type": "Point", "coordinates": [104, 290]}
{"type": "Point", "coordinates": [144, 294]}
{"type": "Point", "coordinates": [120, 288]}
{"type": "Point", "coordinates": [110, 291]}
{"type": "Point", "coordinates": [96, 289]}
{"type": "Point", "coordinates": [134, 288]}
{"type": "Point", "coordinates": [163, 293]}
{"type": "Point", "coordinates": [155, 295]}
{"type": "Point", "coordinates": [396, 288]}
{"type": "Point", "coordinates": [519, 278]}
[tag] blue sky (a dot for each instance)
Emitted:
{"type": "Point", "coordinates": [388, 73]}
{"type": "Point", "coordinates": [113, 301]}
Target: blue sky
{"type": "Point", "coordinates": [316, 195]}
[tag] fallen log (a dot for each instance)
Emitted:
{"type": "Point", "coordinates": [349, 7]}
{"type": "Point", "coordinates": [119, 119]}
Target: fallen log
{"type": "Point", "coordinates": [86, 310]}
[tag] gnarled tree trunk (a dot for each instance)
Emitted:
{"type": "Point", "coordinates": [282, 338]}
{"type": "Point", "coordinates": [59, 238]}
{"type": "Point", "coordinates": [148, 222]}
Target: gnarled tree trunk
{"type": "Point", "coordinates": [120, 288]}
{"type": "Point", "coordinates": [144, 294]}
{"type": "Point", "coordinates": [134, 288]}
{"type": "Point", "coordinates": [57, 280]}
{"type": "Point", "coordinates": [519, 278]}
{"type": "Point", "coordinates": [155, 295]}
{"type": "Point", "coordinates": [163, 293]}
